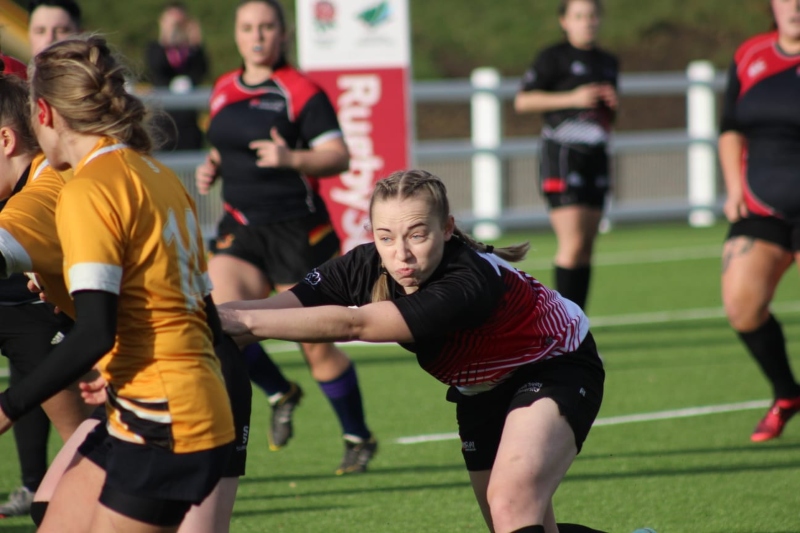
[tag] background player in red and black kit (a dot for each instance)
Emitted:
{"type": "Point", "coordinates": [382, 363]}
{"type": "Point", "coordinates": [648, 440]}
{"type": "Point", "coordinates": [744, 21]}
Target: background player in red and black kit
{"type": "Point", "coordinates": [521, 364]}
{"type": "Point", "coordinates": [759, 150]}
{"type": "Point", "coordinates": [574, 85]}
{"type": "Point", "coordinates": [273, 130]}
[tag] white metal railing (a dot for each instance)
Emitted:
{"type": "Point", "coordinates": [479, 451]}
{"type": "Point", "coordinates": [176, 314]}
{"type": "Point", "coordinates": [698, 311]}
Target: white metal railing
{"type": "Point", "coordinates": [487, 149]}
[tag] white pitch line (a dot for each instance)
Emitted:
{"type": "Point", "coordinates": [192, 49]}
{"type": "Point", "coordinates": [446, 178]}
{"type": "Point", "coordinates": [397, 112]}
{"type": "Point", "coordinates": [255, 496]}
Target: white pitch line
{"type": "Point", "coordinates": [639, 257]}
{"type": "Point", "coordinates": [624, 419]}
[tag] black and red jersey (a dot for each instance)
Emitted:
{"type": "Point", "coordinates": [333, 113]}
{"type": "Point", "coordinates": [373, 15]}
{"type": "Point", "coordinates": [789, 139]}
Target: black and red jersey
{"type": "Point", "coordinates": [474, 321]}
{"type": "Point", "coordinates": [11, 65]}
{"type": "Point", "coordinates": [562, 68]}
{"type": "Point", "coordinates": [762, 102]}
{"type": "Point", "coordinates": [240, 114]}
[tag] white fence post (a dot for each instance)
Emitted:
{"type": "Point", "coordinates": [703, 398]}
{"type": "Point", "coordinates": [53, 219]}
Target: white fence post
{"type": "Point", "coordinates": [702, 129]}
{"type": "Point", "coordinates": [486, 118]}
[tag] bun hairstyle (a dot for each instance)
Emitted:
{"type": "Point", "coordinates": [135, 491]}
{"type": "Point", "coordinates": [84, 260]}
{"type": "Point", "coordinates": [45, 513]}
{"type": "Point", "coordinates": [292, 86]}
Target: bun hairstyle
{"type": "Point", "coordinates": [14, 111]}
{"type": "Point", "coordinates": [85, 83]}
{"type": "Point", "coordinates": [414, 183]}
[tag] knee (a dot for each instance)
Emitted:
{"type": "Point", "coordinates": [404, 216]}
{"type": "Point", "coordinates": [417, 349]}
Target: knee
{"type": "Point", "coordinates": [509, 506]}
{"type": "Point", "coordinates": [744, 312]}
{"type": "Point", "coordinates": [320, 354]}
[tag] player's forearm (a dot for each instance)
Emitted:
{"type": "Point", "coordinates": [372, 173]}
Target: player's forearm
{"type": "Point", "coordinates": [312, 324]}
{"type": "Point", "coordinates": [542, 101]}
{"type": "Point", "coordinates": [731, 148]}
{"type": "Point", "coordinates": [320, 163]}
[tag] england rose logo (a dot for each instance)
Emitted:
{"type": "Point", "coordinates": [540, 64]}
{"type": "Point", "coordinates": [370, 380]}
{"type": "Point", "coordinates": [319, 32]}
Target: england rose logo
{"type": "Point", "coordinates": [324, 15]}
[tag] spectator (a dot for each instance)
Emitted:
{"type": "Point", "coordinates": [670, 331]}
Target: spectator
{"type": "Point", "coordinates": [178, 61]}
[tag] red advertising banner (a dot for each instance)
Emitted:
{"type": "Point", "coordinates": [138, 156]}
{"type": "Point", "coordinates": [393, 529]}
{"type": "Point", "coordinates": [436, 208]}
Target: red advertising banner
{"type": "Point", "coordinates": [372, 109]}
{"type": "Point", "coordinates": [359, 52]}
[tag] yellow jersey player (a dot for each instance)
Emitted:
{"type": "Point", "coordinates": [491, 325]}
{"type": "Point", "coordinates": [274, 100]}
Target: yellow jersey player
{"type": "Point", "coordinates": [135, 269]}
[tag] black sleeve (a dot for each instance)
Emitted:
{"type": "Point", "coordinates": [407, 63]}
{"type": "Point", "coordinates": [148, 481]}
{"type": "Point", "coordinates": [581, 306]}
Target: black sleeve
{"type": "Point", "coordinates": [317, 118]}
{"type": "Point", "coordinates": [457, 301]}
{"type": "Point", "coordinates": [542, 74]}
{"type": "Point", "coordinates": [729, 122]}
{"type": "Point", "coordinates": [346, 280]}
{"type": "Point", "coordinates": [90, 339]}
{"type": "Point", "coordinates": [212, 317]}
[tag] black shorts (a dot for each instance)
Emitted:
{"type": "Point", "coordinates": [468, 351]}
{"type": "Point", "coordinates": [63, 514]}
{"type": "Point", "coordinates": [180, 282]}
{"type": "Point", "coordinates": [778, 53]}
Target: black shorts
{"type": "Point", "coordinates": [769, 229]}
{"type": "Point", "coordinates": [574, 381]}
{"type": "Point", "coordinates": [237, 383]}
{"type": "Point", "coordinates": [284, 251]}
{"type": "Point", "coordinates": [149, 483]}
{"type": "Point", "coordinates": [573, 174]}
{"type": "Point", "coordinates": [28, 332]}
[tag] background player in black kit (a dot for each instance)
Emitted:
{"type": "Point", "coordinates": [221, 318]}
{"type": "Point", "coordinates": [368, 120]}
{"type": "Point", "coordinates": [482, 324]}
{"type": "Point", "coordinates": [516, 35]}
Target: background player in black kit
{"type": "Point", "coordinates": [519, 359]}
{"type": "Point", "coordinates": [574, 85]}
{"type": "Point", "coordinates": [759, 150]}
{"type": "Point", "coordinates": [273, 131]}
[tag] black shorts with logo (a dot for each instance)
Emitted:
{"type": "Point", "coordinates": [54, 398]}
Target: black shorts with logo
{"type": "Point", "coordinates": [573, 380]}
{"type": "Point", "coordinates": [574, 174]}
{"type": "Point", "coordinates": [28, 332]}
{"type": "Point", "coordinates": [770, 229]}
{"type": "Point", "coordinates": [284, 251]}
{"type": "Point", "coordinates": [149, 483]}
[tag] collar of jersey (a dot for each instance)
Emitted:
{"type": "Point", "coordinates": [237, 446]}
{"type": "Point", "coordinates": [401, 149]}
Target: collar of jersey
{"type": "Point", "coordinates": [103, 146]}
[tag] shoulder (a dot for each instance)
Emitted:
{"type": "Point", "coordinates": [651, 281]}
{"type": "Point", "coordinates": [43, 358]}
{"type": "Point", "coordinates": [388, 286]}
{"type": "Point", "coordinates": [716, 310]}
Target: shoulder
{"type": "Point", "coordinates": [755, 44]}
{"type": "Point", "coordinates": [553, 52]}
{"type": "Point", "coordinates": [223, 90]}
{"type": "Point", "coordinates": [607, 56]}
{"type": "Point", "coordinates": [298, 87]}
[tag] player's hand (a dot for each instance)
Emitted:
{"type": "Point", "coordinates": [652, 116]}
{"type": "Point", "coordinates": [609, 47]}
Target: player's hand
{"type": "Point", "coordinates": [608, 94]}
{"type": "Point", "coordinates": [587, 96]}
{"type": "Point", "coordinates": [273, 153]}
{"type": "Point", "coordinates": [94, 392]}
{"type": "Point", "coordinates": [231, 320]}
{"type": "Point", "coordinates": [36, 286]}
{"type": "Point", "coordinates": [205, 175]}
{"type": "Point", "coordinates": [735, 207]}
{"type": "Point", "coordinates": [5, 422]}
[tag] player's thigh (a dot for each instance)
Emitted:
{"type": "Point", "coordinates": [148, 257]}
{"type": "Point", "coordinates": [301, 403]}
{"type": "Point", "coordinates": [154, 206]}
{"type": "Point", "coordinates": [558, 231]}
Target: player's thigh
{"type": "Point", "coordinates": [213, 515]}
{"type": "Point", "coordinates": [75, 500]}
{"type": "Point", "coordinates": [235, 278]}
{"type": "Point", "coordinates": [751, 270]}
{"type": "Point", "coordinates": [67, 455]}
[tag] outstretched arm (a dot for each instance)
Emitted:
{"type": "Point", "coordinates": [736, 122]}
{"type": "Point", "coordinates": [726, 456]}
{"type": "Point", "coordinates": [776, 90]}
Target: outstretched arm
{"type": "Point", "coordinates": [282, 317]}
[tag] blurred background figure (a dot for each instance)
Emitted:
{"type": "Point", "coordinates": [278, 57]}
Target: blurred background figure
{"type": "Point", "coordinates": [759, 152]}
{"type": "Point", "coordinates": [51, 21]}
{"type": "Point", "coordinates": [574, 84]}
{"type": "Point", "coordinates": [178, 61]}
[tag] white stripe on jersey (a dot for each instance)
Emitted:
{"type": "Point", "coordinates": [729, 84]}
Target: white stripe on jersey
{"type": "Point", "coordinates": [574, 131]}
{"type": "Point", "coordinates": [325, 137]}
{"type": "Point", "coordinates": [559, 319]}
{"type": "Point", "coordinates": [95, 277]}
{"type": "Point", "coordinates": [42, 166]}
{"type": "Point", "coordinates": [105, 150]}
{"type": "Point", "coordinates": [17, 259]}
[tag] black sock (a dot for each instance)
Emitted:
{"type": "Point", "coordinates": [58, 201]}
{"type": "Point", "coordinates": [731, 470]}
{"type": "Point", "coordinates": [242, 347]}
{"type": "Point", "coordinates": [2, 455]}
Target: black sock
{"type": "Point", "coordinates": [576, 528]}
{"type": "Point", "coordinates": [345, 398]}
{"type": "Point", "coordinates": [38, 509]}
{"type": "Point", "coordinates": [529, 529]}
{"type": "Point", "coordinates": [767, 345]}
{"type": "Point", "coordinates": [573, 283]}
{"type": "Point", "coordinates": [31, 433]}
{"type": "Point", "coordinates": [264, 372]}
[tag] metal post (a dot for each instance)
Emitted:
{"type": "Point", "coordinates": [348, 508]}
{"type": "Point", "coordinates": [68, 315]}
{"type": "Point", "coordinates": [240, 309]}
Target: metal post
{"type": "Point", "coordinates": [702, 129]}
{"type": "Point", "coordinates": [486, 164]}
